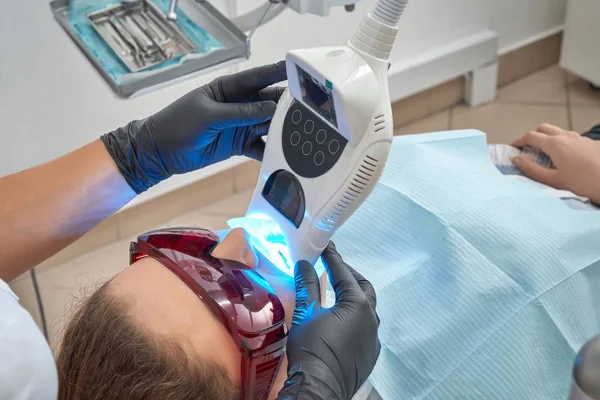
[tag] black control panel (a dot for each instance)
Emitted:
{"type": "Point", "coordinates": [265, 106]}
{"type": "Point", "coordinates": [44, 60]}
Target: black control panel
{"type": "Point", "coordinates": [310, 146]}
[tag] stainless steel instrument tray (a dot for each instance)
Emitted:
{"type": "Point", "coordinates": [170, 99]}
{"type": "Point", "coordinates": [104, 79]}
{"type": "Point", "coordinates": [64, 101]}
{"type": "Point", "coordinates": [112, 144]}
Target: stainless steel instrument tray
{"type": "Point", "coordinates": [139, 34]}
{"type": "Point", "coordinates": [235, 46]}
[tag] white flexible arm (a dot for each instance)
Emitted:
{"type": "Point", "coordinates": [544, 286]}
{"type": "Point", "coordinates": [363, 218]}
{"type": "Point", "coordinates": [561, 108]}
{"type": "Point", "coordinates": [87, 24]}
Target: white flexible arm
{"type": "Point", "coordinates": [389, 11]}
{"type": "Point", "coordinates": [377, 32]}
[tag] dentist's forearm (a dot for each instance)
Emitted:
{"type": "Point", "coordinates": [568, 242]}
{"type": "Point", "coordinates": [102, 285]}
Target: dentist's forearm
{"type": "Point", "coordinates": [46, 208]}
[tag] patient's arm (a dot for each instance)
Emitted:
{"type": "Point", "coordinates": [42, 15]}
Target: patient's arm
{"type": "Point", "coordinates": [576, 160]}
{"type": "Point", "coordinates": [44, 209]}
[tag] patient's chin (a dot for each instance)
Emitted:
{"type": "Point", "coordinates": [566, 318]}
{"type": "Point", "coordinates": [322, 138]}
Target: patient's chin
{"type": "Point", "coordinates": [282, 284]}
{"type": "Point", "coordinates": [236, 246]}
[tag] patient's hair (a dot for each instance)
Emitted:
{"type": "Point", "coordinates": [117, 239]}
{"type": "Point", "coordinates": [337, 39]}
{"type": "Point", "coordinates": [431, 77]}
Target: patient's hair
{"type": "Point", "coordinates": [106, 355]}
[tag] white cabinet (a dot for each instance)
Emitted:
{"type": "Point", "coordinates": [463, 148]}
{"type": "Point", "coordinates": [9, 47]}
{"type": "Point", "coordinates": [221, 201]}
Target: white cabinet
{"type": "Point", "coordinates": [581, 43]}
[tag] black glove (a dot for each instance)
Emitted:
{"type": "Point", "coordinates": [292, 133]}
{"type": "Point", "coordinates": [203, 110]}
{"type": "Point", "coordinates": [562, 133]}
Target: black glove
{"type": "Point", "coordinates": [331, 352]}
{"type": "Point", "coordinates": [224, 118]}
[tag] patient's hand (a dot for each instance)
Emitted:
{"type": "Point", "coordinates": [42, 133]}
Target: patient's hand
{"type": "Point", "coordinates": [576, 160]}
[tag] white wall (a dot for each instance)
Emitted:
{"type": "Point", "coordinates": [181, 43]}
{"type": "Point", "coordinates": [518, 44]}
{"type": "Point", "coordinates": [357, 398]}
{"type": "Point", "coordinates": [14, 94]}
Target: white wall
{"type": "Point", "coordinates": [580, 54]}
{"type": "Point", "coordinates": [426, 25]}
{"type": "Point", "coordinates": [519, 21]}
{"type": "Point", "coordinates": [52, 100]}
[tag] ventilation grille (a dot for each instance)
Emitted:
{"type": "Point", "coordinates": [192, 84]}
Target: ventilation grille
{"type": "Point", "coordinates": [264, 377]}
{"type": "Point", "coordinates": [353, 193]}
{"type": "Point", "coordinates": [379, 123]}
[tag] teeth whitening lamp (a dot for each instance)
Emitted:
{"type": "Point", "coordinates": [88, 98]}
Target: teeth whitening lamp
{"type": "Point", "coordinates": [328, 142]}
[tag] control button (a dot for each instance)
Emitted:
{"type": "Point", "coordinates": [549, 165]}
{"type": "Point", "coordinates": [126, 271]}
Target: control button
{"type": "Point", "coordinates": [319, 158]}
{"type": "Point", "coordinates": [321, 136]}
{"type": "Point", "coordinates": [334, 146]}
{"type": "Point", "coordinates": [296, 116]}
{"type": "Point", "coordinates": [309, 126]}
{"type": "Point", "coordinates": [295, 138]}
{"type": "Point", "coordinates": [307, 148]}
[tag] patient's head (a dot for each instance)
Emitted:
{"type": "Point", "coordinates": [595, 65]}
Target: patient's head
{"type": "Point", "coordinates": [145, 335]}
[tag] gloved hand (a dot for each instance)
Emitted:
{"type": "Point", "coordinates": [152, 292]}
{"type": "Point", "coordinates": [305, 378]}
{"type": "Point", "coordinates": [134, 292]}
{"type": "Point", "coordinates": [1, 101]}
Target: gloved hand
{"type": "Point", "coordinates": [331, 352]}
{"type": "Point", "coordinates": [224, 118]}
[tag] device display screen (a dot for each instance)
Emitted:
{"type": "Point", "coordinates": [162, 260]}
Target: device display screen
{"type": "Point", "coordinates": [284, 192]}
{"type": "Point", "coordinates": [317, 96]}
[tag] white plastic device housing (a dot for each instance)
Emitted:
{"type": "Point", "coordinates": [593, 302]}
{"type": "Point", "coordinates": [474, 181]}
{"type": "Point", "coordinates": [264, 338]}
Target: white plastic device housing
{"type": "Point", "coordinates": [362, 104]}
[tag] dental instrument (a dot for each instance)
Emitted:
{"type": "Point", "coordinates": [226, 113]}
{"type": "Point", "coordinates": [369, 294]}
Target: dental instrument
{"type": "Point", "coordinates": [154, 40]}
{"type": "Point", "coordinates": [124, 35]}
{"type": "Point", "coordinates": [172, 14]}
{"type": "Point", "coordinates": [327, 144]}
{"type": "Point", "coordinates": [134, 27]}
{"type": "Point", "coordinates": [154, 27]}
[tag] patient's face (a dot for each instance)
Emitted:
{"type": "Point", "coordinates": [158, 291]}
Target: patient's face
{"type": "Point", "coordinates": [165, 305]}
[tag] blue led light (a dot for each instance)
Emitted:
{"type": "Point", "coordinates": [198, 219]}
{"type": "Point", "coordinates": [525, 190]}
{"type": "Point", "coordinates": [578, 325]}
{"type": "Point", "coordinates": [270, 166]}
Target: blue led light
{"type": "Point", "coordinates": [267, 237]}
